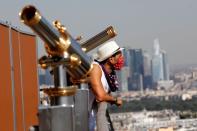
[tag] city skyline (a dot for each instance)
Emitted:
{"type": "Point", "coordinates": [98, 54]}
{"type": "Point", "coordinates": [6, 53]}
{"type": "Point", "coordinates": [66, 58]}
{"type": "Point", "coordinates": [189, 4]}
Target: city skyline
{"type": "Point", "coordinates": [137, 23]}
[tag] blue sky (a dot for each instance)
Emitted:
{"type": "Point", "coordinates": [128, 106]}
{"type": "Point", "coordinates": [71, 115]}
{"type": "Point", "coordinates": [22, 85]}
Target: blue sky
{"type": "Point", "coordinates": [137, 22]}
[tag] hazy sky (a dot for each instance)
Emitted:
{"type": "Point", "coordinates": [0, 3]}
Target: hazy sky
{"type": "Point", "coordinates": [137, 22]}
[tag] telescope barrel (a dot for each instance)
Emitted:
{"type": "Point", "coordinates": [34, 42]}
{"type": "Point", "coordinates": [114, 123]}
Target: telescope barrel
{"type": "Point", "coordinates": [58, 41]}
{"type": "Point", "coordinates": [32, 18]}
{"type": "Point", "coordinates": [99, 39]}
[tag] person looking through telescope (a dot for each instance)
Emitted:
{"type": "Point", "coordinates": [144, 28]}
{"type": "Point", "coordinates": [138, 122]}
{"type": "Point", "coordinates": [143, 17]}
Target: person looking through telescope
{"type": "Point", "coordinates": [103, 81]}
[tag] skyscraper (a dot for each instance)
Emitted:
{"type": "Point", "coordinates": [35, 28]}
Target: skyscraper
{"type": "Point", "coordinates": [157, 63]}
{"type": "Point", "coordinates": [136, 69]}
{"type": "Point", "coordinates": [136, 61]}
{"type": "Point", "coordinates": [165, 65]}
{"type": "Point", "coordinates": [147, 76]}
{"type": "Point", "coordinates": [126, 55]}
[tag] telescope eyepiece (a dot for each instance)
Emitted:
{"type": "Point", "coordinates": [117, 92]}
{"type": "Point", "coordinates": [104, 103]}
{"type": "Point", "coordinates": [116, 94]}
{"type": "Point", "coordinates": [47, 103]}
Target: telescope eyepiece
{"type": "Point", "coordinates": [30, 15]}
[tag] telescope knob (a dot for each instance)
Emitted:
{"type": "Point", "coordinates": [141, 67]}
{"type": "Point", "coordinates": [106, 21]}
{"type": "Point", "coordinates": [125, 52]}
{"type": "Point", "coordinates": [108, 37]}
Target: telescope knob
{"type": "Point", "coordinates": [61, 28]}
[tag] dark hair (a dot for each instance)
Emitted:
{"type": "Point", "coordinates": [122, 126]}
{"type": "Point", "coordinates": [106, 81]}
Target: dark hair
{"type": "Point", "coordinates": [104, 61]}
{"type": "Point", "coordinates": [118, 52]}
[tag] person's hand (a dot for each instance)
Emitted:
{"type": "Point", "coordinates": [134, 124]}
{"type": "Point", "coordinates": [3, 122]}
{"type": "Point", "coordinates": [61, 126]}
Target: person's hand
{"type": "Point", "coordinates": [119, 102]}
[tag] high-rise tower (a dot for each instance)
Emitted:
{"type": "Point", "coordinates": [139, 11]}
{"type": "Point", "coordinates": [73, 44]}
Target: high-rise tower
{"type": "Point", "coordinates": [157, 63]}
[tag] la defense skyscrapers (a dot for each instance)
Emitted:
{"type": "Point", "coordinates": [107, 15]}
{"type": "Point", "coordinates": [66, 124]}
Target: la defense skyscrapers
{"type": "Point", "coordinates": [166, 74]}
{"type": "Point", "coordinates": [135, 63]}
{"type": "Point", "coordinates": [147, 72]}
{"type": "Point", "coordinates": [160, 70]}
{"type": "Point", "coordinates": [143, 70]}
{"type": "Point", "coordinates": [157, 63]}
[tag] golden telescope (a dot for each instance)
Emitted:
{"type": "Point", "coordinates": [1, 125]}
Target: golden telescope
{"type": "Point", "coordinates": [58, 41]}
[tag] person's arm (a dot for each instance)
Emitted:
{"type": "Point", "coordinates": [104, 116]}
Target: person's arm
{"type": "Point", "coordinates": [97, 87]}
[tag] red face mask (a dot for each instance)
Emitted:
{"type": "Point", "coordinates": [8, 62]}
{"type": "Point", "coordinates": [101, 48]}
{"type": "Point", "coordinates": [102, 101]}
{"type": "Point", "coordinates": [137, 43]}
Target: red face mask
{"type": "Point", "coordinates": [120, 63]}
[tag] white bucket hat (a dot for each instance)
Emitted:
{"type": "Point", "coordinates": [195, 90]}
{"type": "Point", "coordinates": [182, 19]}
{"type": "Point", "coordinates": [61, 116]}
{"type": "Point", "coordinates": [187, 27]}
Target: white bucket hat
{"type": "Point", "coordinates": [107, 50]}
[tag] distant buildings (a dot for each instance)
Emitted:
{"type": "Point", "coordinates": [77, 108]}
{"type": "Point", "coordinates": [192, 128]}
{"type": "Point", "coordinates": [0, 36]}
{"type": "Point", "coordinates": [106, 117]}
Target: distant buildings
{"type": "Point", "coordinates": [164, 120]}
{"type": "Point", "coordinates": [147, 68]}
{"type": "Point", "coordinates": [165, 65]}
{"type": "Point", "coordinates": [157, 63]}
{"type": "Point", "coordinates": [136, 69]}
{"type": "Point", "coordinates": [144, 71]}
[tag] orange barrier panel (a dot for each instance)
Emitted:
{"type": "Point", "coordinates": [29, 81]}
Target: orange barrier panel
{"type": "Point", "coordinates": [17, 80]}
{"type": "Point", "coordinates": [29, 78]}
{"type": "Point", "coordinates": [6, 98]}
